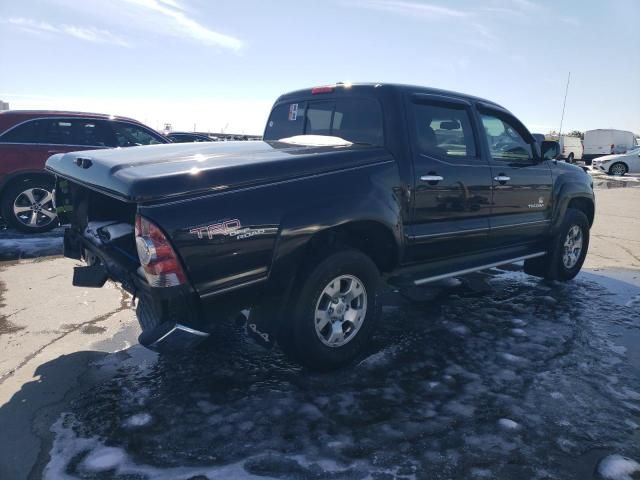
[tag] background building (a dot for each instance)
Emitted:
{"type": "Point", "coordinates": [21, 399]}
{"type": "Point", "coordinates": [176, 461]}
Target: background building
{"type": "Point", "coordinates": [4, 105]}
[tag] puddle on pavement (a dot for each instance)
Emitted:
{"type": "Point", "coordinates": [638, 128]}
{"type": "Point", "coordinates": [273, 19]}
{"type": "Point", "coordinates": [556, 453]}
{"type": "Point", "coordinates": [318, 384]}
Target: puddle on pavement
{"type": "Point", "coordinates": [92, 329]}
{"type": "Point", "coordinates": [602, 182]}
{"type": "Point", "coordinates": [5, 325]}
{"type": "Point", "coordinates": [527, 380]}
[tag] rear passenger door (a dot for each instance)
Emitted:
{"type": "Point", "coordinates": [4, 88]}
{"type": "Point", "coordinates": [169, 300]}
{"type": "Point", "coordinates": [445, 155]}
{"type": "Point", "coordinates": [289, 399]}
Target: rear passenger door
{"type": "Point", "coordinates": [522, 181]}
{"type": "Point", "coordinates": [451, 198]}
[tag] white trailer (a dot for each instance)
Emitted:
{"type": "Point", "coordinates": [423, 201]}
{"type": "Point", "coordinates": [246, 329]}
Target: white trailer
{"type": "Point", "coordinates": [606, 142]}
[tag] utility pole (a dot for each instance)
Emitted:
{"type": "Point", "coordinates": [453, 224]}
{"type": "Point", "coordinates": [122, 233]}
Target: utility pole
{"type": "Point", "coordinates": [566, 91]}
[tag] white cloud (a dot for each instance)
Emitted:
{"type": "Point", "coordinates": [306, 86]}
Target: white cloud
{"type": "Point", "coordinates": [413, 9]}
{"type": "Point", "coordinates": [88, 34]}
{"type": "Point", "coordinates": [526, 4]}
{"type": "Point", "coordinates": [175, 21]}
{"type": "Point", "coordinates": [465, 21]}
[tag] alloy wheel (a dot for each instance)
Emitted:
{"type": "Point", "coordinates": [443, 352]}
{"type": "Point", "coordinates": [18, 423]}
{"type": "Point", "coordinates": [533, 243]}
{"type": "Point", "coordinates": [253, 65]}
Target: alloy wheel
{"type": "Point", "coordinates": [618, 169]}
{"type": "Point", "coordinates": [572, 247]}
{"type": "Point", "coordinates": [34, 207]}
{"type": "Point", "coordinates": [340, 310]}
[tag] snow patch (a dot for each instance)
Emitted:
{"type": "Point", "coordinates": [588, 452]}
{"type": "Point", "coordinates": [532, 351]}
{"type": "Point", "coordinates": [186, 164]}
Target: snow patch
{"type": "Point", "coordinates": [508, 424]}
{"type": "Point", "coordinates": [509, 357]}
{"type": "Point", "coordinates": [617, 467]}
{"type": "Point", "coordinates": [103, 459]}
{"type": "Point", "coordinates": [137, 420]}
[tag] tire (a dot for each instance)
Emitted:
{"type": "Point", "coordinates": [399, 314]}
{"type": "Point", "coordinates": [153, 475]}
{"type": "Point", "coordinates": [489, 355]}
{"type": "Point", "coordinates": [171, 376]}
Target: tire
{"type": "Point", "coordinates": [570, 158]}
{"type": "Point", "coordinates": [618, 169]}
{"type": "Point", "coordinates": [564, 260]}
{"type": "Point", "coordinates": [18, 210]}
{"type": "Point", "coordinates": [324, 335]}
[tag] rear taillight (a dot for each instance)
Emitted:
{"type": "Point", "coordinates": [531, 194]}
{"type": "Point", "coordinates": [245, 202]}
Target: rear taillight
{"type": "Point", "coordinates": [158, 259]}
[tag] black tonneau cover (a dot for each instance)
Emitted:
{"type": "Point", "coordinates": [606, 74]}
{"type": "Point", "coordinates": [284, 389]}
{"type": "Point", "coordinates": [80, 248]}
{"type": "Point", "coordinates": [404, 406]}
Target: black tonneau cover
{"type": "Point", "coordinates": [148, 173]}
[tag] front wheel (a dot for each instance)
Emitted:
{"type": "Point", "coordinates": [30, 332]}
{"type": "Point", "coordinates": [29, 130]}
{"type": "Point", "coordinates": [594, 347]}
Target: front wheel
{"type": "Point", "coordinates": [335, 312]}
{"type": "Point", "coordinates": [570, 158]}
{"type": "Point", "coordinates": [567, 250]}
{"type": "Point", "coordinates": [618, 169]}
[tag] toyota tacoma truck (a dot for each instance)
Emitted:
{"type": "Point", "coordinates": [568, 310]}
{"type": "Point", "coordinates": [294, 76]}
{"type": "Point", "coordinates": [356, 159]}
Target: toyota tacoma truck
{"type": "Point", "coordinates": [352, 186]}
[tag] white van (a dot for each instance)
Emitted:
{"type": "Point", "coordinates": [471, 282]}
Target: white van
{"type": "Point", "coordinates": [606, 142]}
{"type": "Point", "coordinates": [570, 148]}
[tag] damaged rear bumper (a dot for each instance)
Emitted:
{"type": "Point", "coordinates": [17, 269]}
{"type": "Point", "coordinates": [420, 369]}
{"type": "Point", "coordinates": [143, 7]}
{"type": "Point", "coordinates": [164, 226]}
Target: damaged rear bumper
{"type": "Point", "coordinates": [169, 316]}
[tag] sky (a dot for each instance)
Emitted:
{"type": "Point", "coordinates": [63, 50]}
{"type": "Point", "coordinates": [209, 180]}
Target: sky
{"type": "Point", "coordinates": [218, 65]}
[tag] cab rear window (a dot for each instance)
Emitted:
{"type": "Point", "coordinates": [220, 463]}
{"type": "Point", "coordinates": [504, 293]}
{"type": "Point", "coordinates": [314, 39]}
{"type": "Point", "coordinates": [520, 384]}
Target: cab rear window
{"type": "Point", "coordinates": [357, 120]}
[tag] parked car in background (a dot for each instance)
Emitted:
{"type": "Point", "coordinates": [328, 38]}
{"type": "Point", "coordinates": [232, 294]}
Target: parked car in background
{"type": "Point", "coordinates": [29, 137]}
{"type": "Point", "coordinates": [619, 164]}
{"type": "Point", "coordinates": [186, 137]}
{"type": "Point", "coordinates": [349, 184]}
{"type": "Point", "coordinates": [571, 148]}
{"type": "Point", "coordinates": [606, 142]}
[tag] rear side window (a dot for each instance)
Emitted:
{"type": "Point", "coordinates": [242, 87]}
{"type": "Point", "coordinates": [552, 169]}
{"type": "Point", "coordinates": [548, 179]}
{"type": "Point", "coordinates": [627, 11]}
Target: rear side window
{"type": "Point", "coordinates": [357, 120]}
{"type": "Point", "coordinates": [128, 135]}
{"type": "Point", "coordinates": [443, 131]}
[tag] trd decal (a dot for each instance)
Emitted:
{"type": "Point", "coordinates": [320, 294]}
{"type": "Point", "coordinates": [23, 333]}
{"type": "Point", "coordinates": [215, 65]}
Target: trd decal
{"type": "Point", "coordinates": [229, 228]}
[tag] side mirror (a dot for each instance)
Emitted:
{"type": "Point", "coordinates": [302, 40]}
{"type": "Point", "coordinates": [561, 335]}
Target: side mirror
{"type": "Point", "coordinates": [550, 150]}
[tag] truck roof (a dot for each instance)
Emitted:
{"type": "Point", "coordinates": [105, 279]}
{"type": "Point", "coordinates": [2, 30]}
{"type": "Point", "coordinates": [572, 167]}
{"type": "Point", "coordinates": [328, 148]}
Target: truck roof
{"type": "Point", "coordinates": [379, 89]}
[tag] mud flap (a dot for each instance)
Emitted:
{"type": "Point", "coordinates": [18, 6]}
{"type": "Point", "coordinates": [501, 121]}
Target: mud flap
{"type": "Point", "coordinates": [261, 322]}
{"type": "Point", "coordinates": [93, 276]}
{"type": "Point", "coordinates": [171, 337]}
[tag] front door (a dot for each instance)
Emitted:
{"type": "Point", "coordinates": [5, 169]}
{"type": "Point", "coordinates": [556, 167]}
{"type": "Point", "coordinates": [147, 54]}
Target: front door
{"type": "Point", "coordinates": [452, 181]}
{"type": "Point", "coordinates": [522, 182]}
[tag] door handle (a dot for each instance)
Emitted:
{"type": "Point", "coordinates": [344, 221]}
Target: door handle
{"type": "Point", "coordinates": [502, 179]}
{"type": "Point", "coordinates": [431, 178]}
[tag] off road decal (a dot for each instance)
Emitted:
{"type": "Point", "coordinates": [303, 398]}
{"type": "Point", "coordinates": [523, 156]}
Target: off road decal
{"type": "Point", "coordinates": [228, 228]}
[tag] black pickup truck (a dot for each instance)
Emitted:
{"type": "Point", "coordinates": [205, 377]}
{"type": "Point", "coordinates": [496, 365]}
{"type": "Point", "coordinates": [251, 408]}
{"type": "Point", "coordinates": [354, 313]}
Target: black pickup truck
{"type": "Point", "coordinates": [352, 185]}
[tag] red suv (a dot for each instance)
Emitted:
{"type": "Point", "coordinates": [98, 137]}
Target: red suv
{"type": "Point", "coordinates": [29, 137]}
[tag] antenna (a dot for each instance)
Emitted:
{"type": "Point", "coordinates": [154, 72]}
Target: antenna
{"type": "Point", "coordinates": [566, 91]}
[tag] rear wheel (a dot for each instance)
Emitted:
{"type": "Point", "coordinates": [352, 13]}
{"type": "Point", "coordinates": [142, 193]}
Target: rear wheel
{"type": "Point", "coordinates": [335, 311]}
{"type": "Point", "coordinates": [570, 158]}
{"type": "Point", "coordinates": [27, 205]}
{"type": "Point", "coordinates": [567, 250]}
{"type": "Point", "coordinates": [618, 169]}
